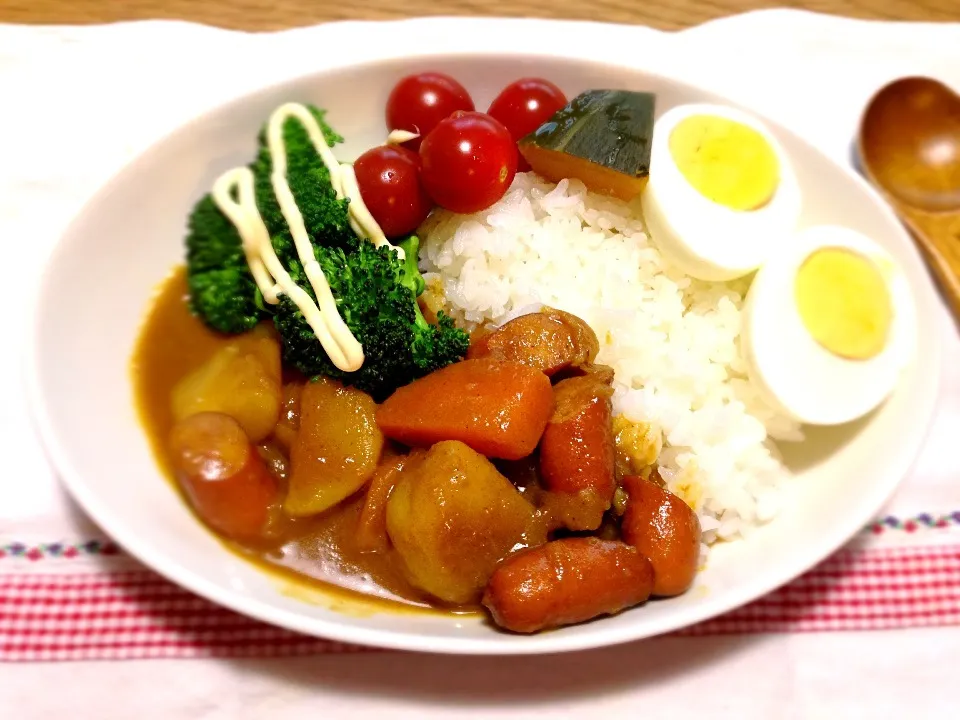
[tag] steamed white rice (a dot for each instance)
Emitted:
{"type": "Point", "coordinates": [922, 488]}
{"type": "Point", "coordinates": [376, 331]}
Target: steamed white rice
{"type": "Point", "coordinates": [672, 340]}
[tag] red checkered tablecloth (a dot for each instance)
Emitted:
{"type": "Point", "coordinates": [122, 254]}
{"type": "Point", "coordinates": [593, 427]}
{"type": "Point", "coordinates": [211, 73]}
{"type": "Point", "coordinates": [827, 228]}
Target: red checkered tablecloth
{"type": "Point", "coordinates": [109, 607]}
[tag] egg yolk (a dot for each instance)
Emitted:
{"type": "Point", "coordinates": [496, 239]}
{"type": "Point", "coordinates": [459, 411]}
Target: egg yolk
{"type": "Point", "coordinates": [844, 303]}
{"type": "Point", "coordinates": [725, 161]}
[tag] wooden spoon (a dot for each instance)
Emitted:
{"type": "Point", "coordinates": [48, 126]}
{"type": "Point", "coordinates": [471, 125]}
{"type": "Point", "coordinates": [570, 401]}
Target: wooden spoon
{"type": "Point", "coordinates": [909, 146]}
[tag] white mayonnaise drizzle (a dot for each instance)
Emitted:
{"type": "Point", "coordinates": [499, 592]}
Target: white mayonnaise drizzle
{"type": "Point", "coordinates": [398, 137]}
{"type": "Point", "coordinates": [267, 270]}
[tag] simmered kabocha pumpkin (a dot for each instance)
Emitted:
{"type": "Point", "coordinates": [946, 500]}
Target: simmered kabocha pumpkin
{"type": "Point", "coordinates": [602, 137]}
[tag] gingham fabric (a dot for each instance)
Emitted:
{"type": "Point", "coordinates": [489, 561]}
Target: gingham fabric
{"type": "Point", "coordinates": [127, 614]}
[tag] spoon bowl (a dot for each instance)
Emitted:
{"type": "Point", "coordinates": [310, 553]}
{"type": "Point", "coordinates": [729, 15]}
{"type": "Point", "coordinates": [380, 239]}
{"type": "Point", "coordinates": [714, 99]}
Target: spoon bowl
{"type": "Point", "coordinates": [909, 147]}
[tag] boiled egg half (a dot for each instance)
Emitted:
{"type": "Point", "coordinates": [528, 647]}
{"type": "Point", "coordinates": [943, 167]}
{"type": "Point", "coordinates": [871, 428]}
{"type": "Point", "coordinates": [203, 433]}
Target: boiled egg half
{"type": "Point", "coordinates": [828, 325]}
{"type": "Point", "coordinates": [722, 194]}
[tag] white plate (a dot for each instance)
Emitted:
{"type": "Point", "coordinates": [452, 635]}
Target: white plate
{"type": "Point", "coordinates": [101, 277]}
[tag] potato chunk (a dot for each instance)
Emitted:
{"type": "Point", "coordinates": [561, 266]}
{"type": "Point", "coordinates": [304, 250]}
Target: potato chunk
{"type": "Point", "coordinates": [336, 449]}
{"type": "Point", "coordinates": [452, 517]}
{"type": "Point", "coordinates": [241, 380]}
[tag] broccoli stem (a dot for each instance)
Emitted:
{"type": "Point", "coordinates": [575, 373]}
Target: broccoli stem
{"type": "Point", "coordinates": [412, 277]}
{"type": "Point", "coordinates": [419, 320]}
{"type": "Point", "coordinates": [411, 271]}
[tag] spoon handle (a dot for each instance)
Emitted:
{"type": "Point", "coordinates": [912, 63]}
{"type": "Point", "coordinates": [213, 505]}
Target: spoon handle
{"type": "Point", "coordinates": [938, 236]}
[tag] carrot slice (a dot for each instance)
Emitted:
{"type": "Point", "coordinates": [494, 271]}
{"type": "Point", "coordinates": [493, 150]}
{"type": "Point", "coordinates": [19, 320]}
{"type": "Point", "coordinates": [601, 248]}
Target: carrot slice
{"type": "Point", "coordinates": [497, 408]}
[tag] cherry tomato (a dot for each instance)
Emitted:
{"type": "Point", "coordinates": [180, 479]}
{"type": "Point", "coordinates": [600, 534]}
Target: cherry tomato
{"type": "Point", "coordinates": [469, 161]}
{"type": "Point", "coordinates": [525, 105]}
{"type": "Point", "coordinates": [418, 102]}
{"type": "Point", "coordinates": [389, 182]}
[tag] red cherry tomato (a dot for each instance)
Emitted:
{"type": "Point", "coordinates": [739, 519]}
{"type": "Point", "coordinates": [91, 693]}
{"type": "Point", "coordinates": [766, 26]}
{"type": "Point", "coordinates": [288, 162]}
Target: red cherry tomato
{"type": "Point", "coordinates": [469, 161]}
{"type": "Point", "coordinates": [525, 105]}
{"type": "Point", "coordinates": [389, 182]}
{"type": "Point", "coordinates": [418, 102]}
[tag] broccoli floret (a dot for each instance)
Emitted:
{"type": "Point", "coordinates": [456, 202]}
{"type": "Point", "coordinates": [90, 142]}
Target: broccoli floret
{"type": "Point", "coordinates": [222, 290]}
{"type": "Point", "coordinates": [324, 217]}
{"type": "Point", "coordinates": [375, 296]}
{"type": "Point", "coordinates": [376, 293]}
{"type": "Point", "coordinates": [433, 345]}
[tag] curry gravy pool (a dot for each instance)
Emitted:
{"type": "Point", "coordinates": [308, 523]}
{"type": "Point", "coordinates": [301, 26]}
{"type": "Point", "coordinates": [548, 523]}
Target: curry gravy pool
{"type": "Point", "coordinates": [315, 554]}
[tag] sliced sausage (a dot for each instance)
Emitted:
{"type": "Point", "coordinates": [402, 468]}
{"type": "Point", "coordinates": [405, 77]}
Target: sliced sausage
{"type": "Point", "coordinates": [567, 581]}
{"type": "Point", "coordinates": [583, 510]}
{"type": "Point", "coordinates": [578, 450]}
{"type": "Point", "coordinates": [549, 341]}
{"type": "Point", "coordinates": [223, 476]}
{"type": "Point", "coordinates": [600, 373]}
{"type": "Point", "coordinates": [665, 529]}
{"type": "Point", "coordinates": [497, 408]}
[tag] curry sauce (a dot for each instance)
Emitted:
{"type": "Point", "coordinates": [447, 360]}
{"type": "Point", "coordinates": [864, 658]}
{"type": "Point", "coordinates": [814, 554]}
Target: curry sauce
{"type": "Point", "coordinates": [449, 496]}
{"type": "Point", "coordinates": [319, 552]}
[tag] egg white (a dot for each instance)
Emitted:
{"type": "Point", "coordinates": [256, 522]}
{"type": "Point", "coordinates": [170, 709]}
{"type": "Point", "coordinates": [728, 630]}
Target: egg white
{"type": "Point", "coordinates": [795, 373]}
{"type": "Point", "coordinates": [703, 238]}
